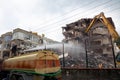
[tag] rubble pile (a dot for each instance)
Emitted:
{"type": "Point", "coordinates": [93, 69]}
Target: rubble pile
{"type": "Point", "coordinates": [78, 62]}
{"type": "Point", "coordinates": [95, 60]}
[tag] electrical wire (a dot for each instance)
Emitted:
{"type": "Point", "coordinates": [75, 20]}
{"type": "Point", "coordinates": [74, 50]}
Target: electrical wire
{"type": "Point", "coordinates": [71, 16]}
{"type": "Point", "coordinates": [53, 24]}
{"type": "Point", "coordinates": [74, 15]}
{"type": "Point", "coordinates": [82, 6]}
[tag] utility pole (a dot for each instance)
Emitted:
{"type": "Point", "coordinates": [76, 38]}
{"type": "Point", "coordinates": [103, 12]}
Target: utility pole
{"type": "Point", "coordinates": [86, 53]}
{"type": "Point", "coordinates": [113, 51]}
{"type": "Point", "coordinates": [63, 56]}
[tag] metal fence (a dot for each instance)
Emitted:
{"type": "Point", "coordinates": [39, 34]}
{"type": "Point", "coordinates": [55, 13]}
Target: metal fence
{"type": "Point", "coordinates": [90, 74]}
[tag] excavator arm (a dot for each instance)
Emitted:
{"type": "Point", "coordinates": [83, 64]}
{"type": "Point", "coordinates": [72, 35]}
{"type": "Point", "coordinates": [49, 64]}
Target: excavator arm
{"type": "Point", "coordinates": [110, 27]}
{"type": "Point", "coordinates": [92, 23]}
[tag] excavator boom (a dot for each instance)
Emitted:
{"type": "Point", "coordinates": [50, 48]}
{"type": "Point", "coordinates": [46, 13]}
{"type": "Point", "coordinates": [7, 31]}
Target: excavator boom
{"type": "Point", "coordinates": [107, 23]}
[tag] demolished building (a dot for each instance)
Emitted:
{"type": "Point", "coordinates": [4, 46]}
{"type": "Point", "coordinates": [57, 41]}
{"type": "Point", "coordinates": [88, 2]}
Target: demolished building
{"type": "Point", "coordinates": [23, 40]}
{"type": "Point", "coordinates": [97, 41]}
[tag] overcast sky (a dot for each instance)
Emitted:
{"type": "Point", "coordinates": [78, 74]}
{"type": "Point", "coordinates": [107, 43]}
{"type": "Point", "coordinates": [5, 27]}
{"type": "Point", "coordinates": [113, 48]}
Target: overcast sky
{"type": "Point", "coordinates": [48, 16]}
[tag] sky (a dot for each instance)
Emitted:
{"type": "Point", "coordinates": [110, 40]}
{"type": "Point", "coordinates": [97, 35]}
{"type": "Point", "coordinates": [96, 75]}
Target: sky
{"type": "Point", "coordinates": [48, 16]}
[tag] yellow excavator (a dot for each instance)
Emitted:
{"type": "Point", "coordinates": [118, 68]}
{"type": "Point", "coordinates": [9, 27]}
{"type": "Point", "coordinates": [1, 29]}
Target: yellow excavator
{"type": "Point", "coordinates": [111, 30]}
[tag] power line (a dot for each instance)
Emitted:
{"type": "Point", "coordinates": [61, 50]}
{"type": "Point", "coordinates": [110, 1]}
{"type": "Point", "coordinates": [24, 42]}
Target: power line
{"type": "Point", "coordinates": [69, 12]}
{"type": "Point", "coordinates": [74, 15]}
{"type": "Point", "coordinates": [58, 22]}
